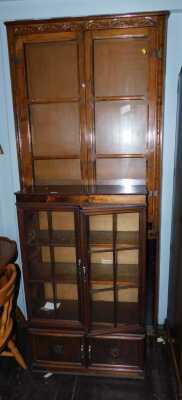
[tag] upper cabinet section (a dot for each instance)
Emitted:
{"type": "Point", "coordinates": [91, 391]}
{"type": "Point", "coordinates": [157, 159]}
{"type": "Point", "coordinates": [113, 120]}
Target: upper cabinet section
{"type": "Point", "coordinates": [87, 98]}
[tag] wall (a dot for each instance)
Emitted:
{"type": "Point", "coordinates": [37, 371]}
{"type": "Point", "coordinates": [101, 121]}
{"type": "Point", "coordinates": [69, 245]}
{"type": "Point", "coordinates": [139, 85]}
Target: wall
{"type": "Point", "coordinates": [9, 183]}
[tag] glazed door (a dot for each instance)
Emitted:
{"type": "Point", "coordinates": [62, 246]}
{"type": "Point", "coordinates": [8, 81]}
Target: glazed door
{"type": "Point", "coordinates": [121, 66]}
{"type": "Point", "coordinates": [51, 263]}
{"type": "Point", "coordinates": [114, 264]}
{"type": "Point", "coordinates": [50, 101]}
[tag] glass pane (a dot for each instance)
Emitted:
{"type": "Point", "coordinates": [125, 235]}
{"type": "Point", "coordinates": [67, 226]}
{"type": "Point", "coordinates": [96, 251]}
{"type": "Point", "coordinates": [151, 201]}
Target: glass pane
{"type": "Point", "coordinates": [66, 286]}
{"type": "Point", "coordinates": [63, 227]}
{"type": "Point", "coordinates": [125, 171]}
{"type": "Point", "coordinates": [127, 229]}
{"type": "Point", "coordinates": [42, 300]}
{"type": "Point", "coordinates": [52, 264]}
{"type": "Point", "coordinates": [127, 267]}
{"type": "Point", "coordinates": [121, 127]}
{"type": "Point", "coordinates": [39, 263]}
{"type": "Point", "coordinates": [121, 67]}
{"type": "Point", "coordinates": [52, 69]}
{"type": "Point", "coordinates": [114, 267]}
{"type": "Point", "coordinates": [102, 304]}
{"type": "Point", "coordinates": [101, 229]}
{"type": "Point", "coordinates": [127, 286]}
{"type": "Point", "coordinates": [57, 172]}
{"type": "Point", "coordinates": [55, 129]}
{"type": "Point", "coordinates": [101, 278]}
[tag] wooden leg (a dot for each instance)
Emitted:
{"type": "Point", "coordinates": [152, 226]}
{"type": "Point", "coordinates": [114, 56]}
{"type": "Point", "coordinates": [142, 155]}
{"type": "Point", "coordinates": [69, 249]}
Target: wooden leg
{"type": "Point", "coordinates": [16, 354]}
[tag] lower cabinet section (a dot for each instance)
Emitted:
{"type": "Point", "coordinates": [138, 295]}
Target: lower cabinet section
{"type": "Point", "coordinates": [122, 351]}
{"type": "Point", "coordinates": [107, 354]}
{"type": "Point", "coordinates": [56, 348]}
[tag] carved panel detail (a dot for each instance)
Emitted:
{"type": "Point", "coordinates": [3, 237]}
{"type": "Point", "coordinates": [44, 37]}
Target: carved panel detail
{"type": "Point", "coordinates": [90, 24]}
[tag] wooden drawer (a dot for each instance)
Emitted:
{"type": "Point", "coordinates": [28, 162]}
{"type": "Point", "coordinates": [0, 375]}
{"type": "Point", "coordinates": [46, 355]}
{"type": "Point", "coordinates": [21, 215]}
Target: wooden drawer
{"type": "Point", "coordinates": [120, 351]}
{"type": "Point", "coordinates": [59, 348]}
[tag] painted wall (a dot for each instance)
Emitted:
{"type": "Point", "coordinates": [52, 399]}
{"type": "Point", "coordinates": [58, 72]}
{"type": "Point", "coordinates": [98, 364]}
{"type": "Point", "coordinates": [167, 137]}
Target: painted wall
{"type": "Point", "coordinates": [9, 182]}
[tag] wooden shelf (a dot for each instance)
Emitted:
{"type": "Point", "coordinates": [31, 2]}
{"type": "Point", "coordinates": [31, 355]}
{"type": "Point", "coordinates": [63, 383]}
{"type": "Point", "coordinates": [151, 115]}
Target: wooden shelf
{"type": "Point", "coordinates": [62, 271]}
{"type": "Point", "coordinates": [103, 273]}
{"type": "Point", "coordinates": [97, 238]}
{"type": "Point", "coordinates": [105, 238]}
{"type": "Point", "coordinates": [67, 273]}
{"type": "Point", "coordinates": [68, 310]}
{"type": "Point", "coordinates": [127, 312]}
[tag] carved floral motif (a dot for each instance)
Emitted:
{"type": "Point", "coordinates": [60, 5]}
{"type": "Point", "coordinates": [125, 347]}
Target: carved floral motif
{"type": "Point", "coordinates": [90, 24]}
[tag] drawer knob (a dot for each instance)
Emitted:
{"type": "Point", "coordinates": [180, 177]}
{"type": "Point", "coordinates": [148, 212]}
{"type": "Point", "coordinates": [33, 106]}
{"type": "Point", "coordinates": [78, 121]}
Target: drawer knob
{"type": "Point", "coordinates": [58, 349]}
{"type": "Point", "coordinates": [115, 352]}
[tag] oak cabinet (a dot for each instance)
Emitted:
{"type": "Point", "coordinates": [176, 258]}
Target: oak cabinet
{"type": "Point", "coordinates": [88, 100]}
{"type": "Point", "coordinates": [85, 271]}
{"type": "Point", "coordinates": [88, 110]}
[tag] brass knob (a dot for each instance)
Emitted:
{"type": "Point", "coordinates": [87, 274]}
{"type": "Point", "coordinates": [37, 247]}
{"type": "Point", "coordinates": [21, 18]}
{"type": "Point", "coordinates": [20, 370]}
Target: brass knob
{"type": "Point", "coordinates": [144, 51]}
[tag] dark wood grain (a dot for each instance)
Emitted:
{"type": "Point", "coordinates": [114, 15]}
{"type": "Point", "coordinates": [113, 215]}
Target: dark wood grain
{"type": "Point", "coordinates": [87, 98]}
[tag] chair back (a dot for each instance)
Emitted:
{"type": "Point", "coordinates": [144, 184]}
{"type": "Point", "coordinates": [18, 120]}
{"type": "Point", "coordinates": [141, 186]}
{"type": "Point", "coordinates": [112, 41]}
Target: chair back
{"type": "Point", "coordinates": [7, 286]}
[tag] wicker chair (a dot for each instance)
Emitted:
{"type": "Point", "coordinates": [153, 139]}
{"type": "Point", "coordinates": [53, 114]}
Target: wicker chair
{"type": "Point", "coordinates": [7, 291]}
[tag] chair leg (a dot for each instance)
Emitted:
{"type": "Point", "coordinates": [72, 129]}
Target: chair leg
{"type": "Point", "coordinates": [12, 347]}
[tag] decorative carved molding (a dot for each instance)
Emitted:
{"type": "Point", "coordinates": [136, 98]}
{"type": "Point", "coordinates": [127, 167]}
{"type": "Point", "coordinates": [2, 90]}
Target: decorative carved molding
{"type": "Point", "coordinates": [90, 24]}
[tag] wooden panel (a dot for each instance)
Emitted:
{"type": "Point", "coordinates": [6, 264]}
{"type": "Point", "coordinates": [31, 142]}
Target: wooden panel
{"type": "Point", "coordinates": [52, 70]}
{"type": "Point", "coordinates": [121, 171]}
{"type": "Point", "coordinates": [117, 351]}
{"type": "Point", "coordinates": [55, 129]}
{"type": "Point", "coordinates": [62, 349]}
{"type": "Point", "coordinates": [57, 172]}
{"type": "Point", "coordinates": [121, 127]}
{"type": "Point", "coordinates": [118, 58]}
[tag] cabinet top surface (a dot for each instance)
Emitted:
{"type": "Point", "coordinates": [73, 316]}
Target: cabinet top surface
{"type": "Point", "coordinates": [87, 190]}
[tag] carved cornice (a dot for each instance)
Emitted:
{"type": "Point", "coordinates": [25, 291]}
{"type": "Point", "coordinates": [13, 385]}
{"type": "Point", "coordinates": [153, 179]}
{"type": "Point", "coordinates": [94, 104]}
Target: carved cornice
{"type": "Point", "coordinates": [85, 24]}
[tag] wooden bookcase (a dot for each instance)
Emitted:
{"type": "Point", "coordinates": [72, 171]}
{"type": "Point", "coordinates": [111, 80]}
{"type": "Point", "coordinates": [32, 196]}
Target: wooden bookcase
{"type": "Point", "coordinates": [88, 108]}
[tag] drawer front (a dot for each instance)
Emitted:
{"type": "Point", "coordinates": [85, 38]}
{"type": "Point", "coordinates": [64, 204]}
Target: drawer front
{"type": "Point", "coordinates": [117, 351]}
{"type": "Point", "coordinates": [58, 348]}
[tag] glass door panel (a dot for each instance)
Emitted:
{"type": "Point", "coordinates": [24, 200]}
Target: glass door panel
{"type": "Point", "coordinates": [121, 171]}
{"type": "Point", "coordinates": [55, 129]}
{"type": "Point", "coordinates": [55, 108]}
{"type": "Point", "coordinates": [121, 66]}
{"type": "Point", "coordinates": [101, 279]}
{"type": "Point", "coordinates": [114, 267]}
{"type": "Point", "coordinates": [52, 264]}
{"type": "Point", "coordinates": [121, 127]}
{"type": "Point", "coordinates": [127, 229]}
{"type": "Point", "coordinates": [127, 285]}
{"type": "Point", "coordinates": [121, 74]}
{"type": "Point", "coordinates": [52, 69]}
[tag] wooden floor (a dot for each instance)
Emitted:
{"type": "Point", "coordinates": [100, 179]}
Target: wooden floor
{"type": "Point", "coordinates": [159, 383]}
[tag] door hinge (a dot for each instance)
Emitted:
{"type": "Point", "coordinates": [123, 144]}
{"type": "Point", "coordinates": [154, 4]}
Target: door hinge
{"type": "Point", "coordinates": [156, 53]}
{"type": "Point", "coordinates": [153, 193]}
